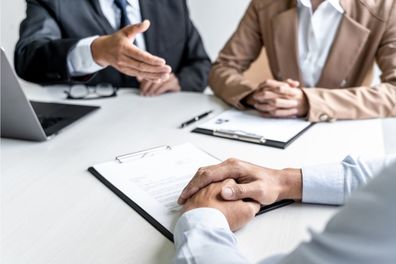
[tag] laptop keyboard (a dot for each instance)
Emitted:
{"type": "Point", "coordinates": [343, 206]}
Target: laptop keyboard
{"type": "Point", "coordinates": [47, 122]}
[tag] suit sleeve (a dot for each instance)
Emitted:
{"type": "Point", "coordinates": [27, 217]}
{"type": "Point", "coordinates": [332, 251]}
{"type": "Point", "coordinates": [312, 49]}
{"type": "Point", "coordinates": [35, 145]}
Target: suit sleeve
{"type": "Point", "coordinates": [361, 102]}
{"type": "Point", "coordinates": [196, 64]}
{"type": "Point", "coordinates": [41, 52]}
{"type": "Point", "coordinates": [226, 78]}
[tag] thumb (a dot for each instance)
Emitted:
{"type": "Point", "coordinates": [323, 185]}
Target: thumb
{"type": "Point", "coordinates": [133, 30]}
{"type": "Point", "coordinates": [293, 83]}
{"type": "Point", "coordinates": [241, 191]}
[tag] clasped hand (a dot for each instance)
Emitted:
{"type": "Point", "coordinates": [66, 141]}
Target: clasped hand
{"type": "Point", "coordinates": [279, 99]}
{"type": "Point", "coordinates": [236, 187]}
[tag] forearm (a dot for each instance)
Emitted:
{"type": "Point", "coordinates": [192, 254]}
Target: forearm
{"type": "Point", "coordinates": [41, 52]}
{"type": "Point", "coordinates": [351, 103]}
{"type": "Point", "coordinates": [242, 49]}
{"type": "Point", "coordinates": [229, 84]}
{"type": "Point", "coordinates": [44, 61]}
{"type": "Point", "coordinates": [203, 236]}
{"type": "Point", "coordinates": [194, 76]}
{"type": "Point", "coordinates": [361, 232]}
{"type": "Point", "coordinates": [80, 61]}
{"type": "Point", "coordinates": [333, 183]}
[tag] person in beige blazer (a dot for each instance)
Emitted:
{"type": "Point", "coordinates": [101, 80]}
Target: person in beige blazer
{"type": "Point", "coordinates": [326, 86]}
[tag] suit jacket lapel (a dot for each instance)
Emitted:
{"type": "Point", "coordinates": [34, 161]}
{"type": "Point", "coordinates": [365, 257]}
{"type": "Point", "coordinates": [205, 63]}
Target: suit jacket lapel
{"type": "Point", "coordinates": [100, 17]}
{"type": "Point", "coordinates": [148, 11]}
{"type": "Point", "coordinates": [285, 27]}
{"type": "Point", "coordinates": [347, 46]}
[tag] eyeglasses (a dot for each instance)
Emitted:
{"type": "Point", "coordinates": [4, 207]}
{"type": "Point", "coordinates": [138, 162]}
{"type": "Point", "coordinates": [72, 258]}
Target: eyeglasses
{"type": "Point", "coordinates": [82, 92]}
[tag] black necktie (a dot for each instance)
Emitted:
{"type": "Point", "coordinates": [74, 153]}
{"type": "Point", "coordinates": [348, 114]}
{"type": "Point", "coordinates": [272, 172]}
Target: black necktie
{"type": "Point", "coordinates": [124, 21]}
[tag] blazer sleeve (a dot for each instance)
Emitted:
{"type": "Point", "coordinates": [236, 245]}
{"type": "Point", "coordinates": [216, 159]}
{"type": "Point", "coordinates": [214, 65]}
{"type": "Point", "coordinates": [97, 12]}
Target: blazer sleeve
{"type": "Point", "coordinates": [41, 52]}
{"type": "Point", "coordinates": [361, 102]}
{"type": "Point", "coordinates": [226, 77]}
{"type": "Point", "coordinates": [196, 64]}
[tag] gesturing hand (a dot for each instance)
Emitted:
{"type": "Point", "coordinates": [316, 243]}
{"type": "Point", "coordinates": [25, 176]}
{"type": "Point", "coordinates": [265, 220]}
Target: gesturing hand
{"type": "Point", "coordinates": [118, 51]}
{"type": "Point", "coordinates": [149, 88]}
{"type": "Point", "coordinates": [263, 185]}
{"type": "Point", "coordinates": [279, 99]}
{"type": "Point", "coordinates": [238, 213]}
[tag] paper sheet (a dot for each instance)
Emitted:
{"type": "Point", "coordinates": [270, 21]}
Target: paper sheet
{"type": "Point", "coordinates": [250, 122]}
{"type": "Point", "coordinates": [156, 181]}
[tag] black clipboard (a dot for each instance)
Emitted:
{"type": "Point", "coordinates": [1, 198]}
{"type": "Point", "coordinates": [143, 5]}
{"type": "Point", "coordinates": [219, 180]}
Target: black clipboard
{"type": "Point", "coordinates": [267, 142]}
{"type": "Point", "coordinates": [157, 225]}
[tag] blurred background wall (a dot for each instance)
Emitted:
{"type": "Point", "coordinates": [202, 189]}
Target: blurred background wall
{"type": "Point", "coordinates": [215, 19]}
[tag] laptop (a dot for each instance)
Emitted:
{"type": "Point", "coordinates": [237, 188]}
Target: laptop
{"type": "Point", "coordinates": [31, 120]}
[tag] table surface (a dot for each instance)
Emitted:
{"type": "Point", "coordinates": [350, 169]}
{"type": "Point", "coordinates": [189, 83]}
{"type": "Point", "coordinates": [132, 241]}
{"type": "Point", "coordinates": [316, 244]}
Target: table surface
{"type": "Point", "coordinates": [54, 211]}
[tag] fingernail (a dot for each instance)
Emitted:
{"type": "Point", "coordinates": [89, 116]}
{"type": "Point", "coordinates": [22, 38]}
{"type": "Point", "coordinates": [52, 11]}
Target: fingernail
{"type": "Point", "coordinates": [227, 193]}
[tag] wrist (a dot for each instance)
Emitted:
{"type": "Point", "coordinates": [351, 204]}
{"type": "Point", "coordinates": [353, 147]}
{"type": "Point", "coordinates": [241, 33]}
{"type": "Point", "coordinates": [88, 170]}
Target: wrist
{"type": "Point", "coordinates": [96, 50]}
{"type": "Point", "coordinates": [290, 184]}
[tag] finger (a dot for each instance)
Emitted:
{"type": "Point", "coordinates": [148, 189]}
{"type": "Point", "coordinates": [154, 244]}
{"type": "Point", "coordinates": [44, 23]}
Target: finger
{"type": "Point", "coordinates": [145, 86]}
{"type": "Point", "coordinates": [166, 89]}
{"type": "Point", "coordinates": [230, 169]}
{"type": "Point", "coordinates": [284, 90]}
{"type": "Point", "coordinates": [235, 192]}
{"type": "Point", "coordinates": [278, 103]}
{"type": "Point", "coordinates": [160, 89]}
{"type": "Point", "coordinates": [264, 96]}
{"type": "Point", "coordinates": [169, 86]}
{"type": "Point", "coordinates": [282, 113]}
{"type": "Point", "coordinates": [143, 75]}
{"type": "Point", "coordinates": [253, 207]}
{"type": "Point", "coordinates": [154, 87]}
{"type": "Point", "coordinates": [127, 61]}
{"type": "Point", "coordinates": [271, 83]}
{"type": "Point", "coordinates": [133, 30]}
{"type": "Point", "coordinates": [141, 55]}
{"type": "Point", "coordinates": [293, 83]}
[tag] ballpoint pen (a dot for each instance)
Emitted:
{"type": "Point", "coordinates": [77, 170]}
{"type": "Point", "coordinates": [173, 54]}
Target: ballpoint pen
{"type": "Point", "coordinates": [195, 119]}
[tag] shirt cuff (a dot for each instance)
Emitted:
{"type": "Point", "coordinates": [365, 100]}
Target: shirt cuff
{"type": "Point", "coordinates": [323, 184]}
{"type": "Point", "coordinates": [205, 218]}
{"type": "Point", "coordinates": [80, 61]}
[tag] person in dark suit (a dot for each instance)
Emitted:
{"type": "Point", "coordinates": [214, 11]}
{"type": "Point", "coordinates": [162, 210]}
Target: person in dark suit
{"type": "Point", "coordinates": [151, 44]}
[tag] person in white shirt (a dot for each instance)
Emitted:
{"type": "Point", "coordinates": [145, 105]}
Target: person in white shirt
{"type": "Point", "coordinates": [215, 204]}
{"type": "Point", "coordinates": [320, 54]}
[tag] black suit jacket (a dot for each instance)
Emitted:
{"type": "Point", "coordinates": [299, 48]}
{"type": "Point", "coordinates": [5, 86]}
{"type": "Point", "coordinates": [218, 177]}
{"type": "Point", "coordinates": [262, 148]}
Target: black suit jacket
{"type": "Point", "coordinates": [52, 27]}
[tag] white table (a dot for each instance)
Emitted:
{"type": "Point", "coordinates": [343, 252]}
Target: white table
{"type": "Point", "coordinates": [54, 211]}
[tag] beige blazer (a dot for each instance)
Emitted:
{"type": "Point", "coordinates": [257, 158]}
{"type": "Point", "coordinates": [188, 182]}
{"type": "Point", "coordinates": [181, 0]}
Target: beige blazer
{"type": "Point", "coordinates": [367, 33]}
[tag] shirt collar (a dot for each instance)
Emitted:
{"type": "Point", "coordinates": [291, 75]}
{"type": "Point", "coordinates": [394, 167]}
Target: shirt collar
{"type": "Point", "coordinates": [334, 3]}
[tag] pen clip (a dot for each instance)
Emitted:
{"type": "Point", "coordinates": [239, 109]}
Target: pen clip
{"type": "Point", "coordinates": [141, 154]}
{"type": "Point", "coordinates": [239, 135]}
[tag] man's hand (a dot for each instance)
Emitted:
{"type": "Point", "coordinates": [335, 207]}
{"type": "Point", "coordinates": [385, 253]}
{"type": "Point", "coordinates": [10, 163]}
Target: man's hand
{"type": "Point", "coordinates": [118, 51]}
{"type": "Point", "coordinates": [279, 99]}
{"type": "Point", "coordinates": [238, 213]}
{"type": "Point", "coordinates": [149, 88]}
{"type": "Point", "coordinates": [263, 185]}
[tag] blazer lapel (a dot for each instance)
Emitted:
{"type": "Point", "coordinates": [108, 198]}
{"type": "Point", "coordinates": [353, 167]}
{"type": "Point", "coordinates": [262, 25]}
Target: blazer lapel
{"type": "Point", "coordinates": [348, 44]}
{"type": "Point", "coordinates": [285, 27]}
{"type": "Point", "coordinates": [101, 18]}
{"type": "Point", "coordinates": [148, 11]}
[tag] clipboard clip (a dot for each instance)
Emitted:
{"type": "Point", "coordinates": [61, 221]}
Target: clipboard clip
{"type": "Point", "coordinates": [239, 135]}
{"type": "Point", "coordinates": [141, 154]}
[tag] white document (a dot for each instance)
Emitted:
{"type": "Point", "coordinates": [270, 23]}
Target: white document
{"type": "Point", "coordinates": [251, 123]}
{"type": "Point", "coordinates": [155, 181]}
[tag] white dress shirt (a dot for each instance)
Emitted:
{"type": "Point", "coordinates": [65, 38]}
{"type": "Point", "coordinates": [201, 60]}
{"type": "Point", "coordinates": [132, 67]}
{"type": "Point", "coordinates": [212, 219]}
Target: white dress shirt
{"type": "Point", "coordinates": [80, 61]}
{"type": "Point", "coordinates": [362, 232]}
{"type": "Point", "coordinates": [316, 34]}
